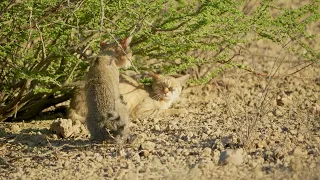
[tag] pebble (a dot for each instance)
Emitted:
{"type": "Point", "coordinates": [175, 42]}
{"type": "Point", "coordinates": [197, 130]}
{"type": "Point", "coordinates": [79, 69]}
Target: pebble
{"type": "Point", "coordinates": [148, 145]}
{"type": "Point", "coordinates": [278, 113]}
{"type": "Point", "coordinates": [294, 131]}
{"type": "Point", "coordinates": [206, 151]}
{"type": "Point", "coordinates": [157, 127]}
{"type": "Point", "coordinates": [98, 157]}
{"type": "Point", "coordinates": [298, 151]}
{"type": "Point", "coordinates": [15, 128]}
{"type": "Point", "coordinates": [235, 157]}
{"type": "Point", "coordinates": [300, 137]}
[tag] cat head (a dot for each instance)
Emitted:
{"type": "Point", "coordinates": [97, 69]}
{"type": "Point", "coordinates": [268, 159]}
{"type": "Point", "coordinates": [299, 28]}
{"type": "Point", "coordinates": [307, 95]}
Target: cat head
{"type": "Point", "coordinates": [166, 87]}
{"type": "Point", "coordinates": [121, 51]}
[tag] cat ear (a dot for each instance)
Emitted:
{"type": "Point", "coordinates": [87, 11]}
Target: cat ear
{"type": "Point", "coordinates": [154, 75]}
{"type": "Point", "coordinates": [104, 45]}
{"type": "Point", "coordinates": [183, 79]}
{"type": "Point", "coordinates": [125, 42]}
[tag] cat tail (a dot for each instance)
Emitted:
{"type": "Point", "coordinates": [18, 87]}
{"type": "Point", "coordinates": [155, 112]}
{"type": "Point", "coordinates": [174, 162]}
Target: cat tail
{"type": "Point", "coordinates": [113, 125]}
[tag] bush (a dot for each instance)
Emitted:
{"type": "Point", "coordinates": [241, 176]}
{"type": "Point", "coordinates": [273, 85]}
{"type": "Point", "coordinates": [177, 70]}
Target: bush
{"type": "Point", "coordinates": [44, 43]}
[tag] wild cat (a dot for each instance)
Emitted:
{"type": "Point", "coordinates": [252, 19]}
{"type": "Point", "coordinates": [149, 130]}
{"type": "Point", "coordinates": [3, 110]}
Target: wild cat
{"type": "Point", "coordinates": [99, 103]}
{"type": "Point", "coordinates": [122, 54]}
{"type": "Point", "coordinates": [107, 115]}
{"type": "Point", "coordinates": [156, 101]}
{"type": "Point", "coordinates": [142, 102]}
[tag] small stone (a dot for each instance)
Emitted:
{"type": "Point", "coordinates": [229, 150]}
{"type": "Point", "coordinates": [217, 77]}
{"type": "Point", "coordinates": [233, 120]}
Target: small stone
{"type": "Point", "coordinates": [300, 137]}
{"type": "Point", "coordinates": [144, 153]}
{"type": "Point", "coordinates": [298, 151]}
{"type": "Point", "coordinates": [15, 128]}
{"type": "Point", "coordinates": [98, 157]}
{"type": "Point", "coordinates": [157, 127]}
{"type": "Point", "coordinates": [122, 153]}
{"type": "Point", "coordinates": [294, 131]}
{"type": "Point", "coordinates": [262, 144]}
{"type": "Point", "coordinates": [148, 145]}
{"type": "Point", "coordinates": [206, 151]}
{"type": "Point", "coordinates": [278, 113]}
{"type": "Point", "coordinates": [55, 137]}
{"type": "Point", "coordinates": [171, 159]}
{"type": "Point", "coordinates": [62, 127]}
{"type": "Point", "coordinates": [270, 114]}
{"type": "Point", "coordinates": [235, 157]}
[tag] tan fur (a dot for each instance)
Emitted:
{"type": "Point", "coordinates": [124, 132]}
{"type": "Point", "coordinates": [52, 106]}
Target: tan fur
{"type": "Point", "coordinates": [78, 108]}
{"type": "Point", "coordinates": [143, 102]}
{"type": "Point", "coordinates": [107, 115]}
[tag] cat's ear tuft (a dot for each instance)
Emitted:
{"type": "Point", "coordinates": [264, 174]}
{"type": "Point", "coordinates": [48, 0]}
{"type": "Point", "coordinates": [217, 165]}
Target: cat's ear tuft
{"type": "Point", "coordinates": [183, 79]}
{"type": "Point", "coordinates": [126, 42]}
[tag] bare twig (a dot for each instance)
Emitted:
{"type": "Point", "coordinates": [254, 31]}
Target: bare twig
{"type": "Point", "coordinates": [17, 99]}
{"type": "Point", "coordinates": [30, 32]}
{"type": "Point", "coordinates": [42, 42]}
{"type": "Point", "coordinates": [102, 14]}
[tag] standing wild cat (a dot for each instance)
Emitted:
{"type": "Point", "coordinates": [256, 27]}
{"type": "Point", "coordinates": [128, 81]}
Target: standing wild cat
{"type": "Point", "coordinates": [142, 102]}
{"type": "Point", "coordinates": [107, 115]}
{"type": "Point", "coordinates": [78, 107]}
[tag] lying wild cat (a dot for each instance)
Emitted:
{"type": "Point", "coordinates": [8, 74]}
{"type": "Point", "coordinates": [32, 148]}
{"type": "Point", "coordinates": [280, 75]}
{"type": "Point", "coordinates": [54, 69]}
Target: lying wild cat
{"type": "Point", "coordinates": [78, 108]}
{"type": "Point", "coordinates": [143, 102]}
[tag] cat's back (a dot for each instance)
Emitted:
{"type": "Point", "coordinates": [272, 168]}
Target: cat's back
{"type": "Point", "coordinates": [132, 93]}
{"type": "Point", "coordinates": [102, 81]}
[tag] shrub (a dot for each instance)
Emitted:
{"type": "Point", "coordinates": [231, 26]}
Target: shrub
{"type": "Point", "coordinates": [44, 43]}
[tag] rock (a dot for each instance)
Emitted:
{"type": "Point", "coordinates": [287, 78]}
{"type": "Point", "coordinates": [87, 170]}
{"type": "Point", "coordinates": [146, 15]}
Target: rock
{"type": "Point", "coordinates": [277, 112]}
{"type": "Point", "coordinates": [144, 153]}
{"type": "Point", "coordinates": [148, 145]}
{"type": "Point", "coordinates": [157, 127]}
{"type": "Point", "coordinates": [300, 137]}
{"type": "Point", "coordinates": [235, 157]}
{"type": "Point", "coordinates": [98, 157]}
{"type": "Point", "coordinates": [298, 151]}
{"type": "Point", "coordinates": [15, 128]}
{"type": "Point", "coordinates": [206, 151]}
{"type": "Point", "coordinates": [294, 131]}
{"type": "Point", "coordinates": [62, 127]}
